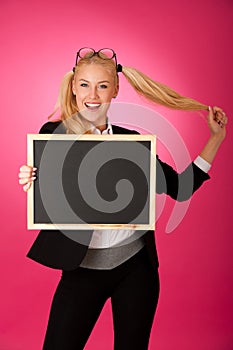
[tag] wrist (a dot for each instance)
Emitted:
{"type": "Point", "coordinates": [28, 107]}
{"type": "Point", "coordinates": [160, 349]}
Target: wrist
{"type": "Point", "coordinates": [217, 138]}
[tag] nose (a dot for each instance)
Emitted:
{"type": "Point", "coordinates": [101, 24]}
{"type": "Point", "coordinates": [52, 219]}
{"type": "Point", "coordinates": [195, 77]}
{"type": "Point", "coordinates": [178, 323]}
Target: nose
{"type": "Point", "coordinates": [93, 93]}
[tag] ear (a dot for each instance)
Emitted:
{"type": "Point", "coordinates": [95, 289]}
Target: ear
{"type": "Point", "coordinates": [116, 91]}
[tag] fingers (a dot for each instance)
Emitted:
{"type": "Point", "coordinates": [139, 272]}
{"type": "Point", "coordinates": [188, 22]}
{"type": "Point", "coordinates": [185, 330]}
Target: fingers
{"type": "Point", "coordinates": [24, 180]}
{"type": "Point", "coordinates": [221, 119]}
{"type": "Point", "coordinates": [218, 115]}
{"type": "Point", "coordinates": [26, 176]}
{"type": "Point", "coordinates": [27, 168]}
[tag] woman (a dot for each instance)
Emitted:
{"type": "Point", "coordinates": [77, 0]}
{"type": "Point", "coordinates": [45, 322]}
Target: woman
{"type": "Point", "coordinates": [96, 271]}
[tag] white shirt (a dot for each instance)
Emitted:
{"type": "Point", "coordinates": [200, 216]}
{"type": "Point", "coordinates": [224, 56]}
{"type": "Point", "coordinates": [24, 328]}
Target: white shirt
{"type": "Point", "coordinates": [109, 238]}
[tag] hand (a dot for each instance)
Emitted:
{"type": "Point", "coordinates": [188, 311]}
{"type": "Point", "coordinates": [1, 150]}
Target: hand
{"type": "Point", "coordinates": [26, 176]}
{"type": "Point", "coordinates": [217, 121]}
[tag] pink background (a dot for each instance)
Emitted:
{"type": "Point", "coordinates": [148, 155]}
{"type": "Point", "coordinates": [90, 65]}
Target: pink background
{"type": "Point", "coordinates": [187, 45]}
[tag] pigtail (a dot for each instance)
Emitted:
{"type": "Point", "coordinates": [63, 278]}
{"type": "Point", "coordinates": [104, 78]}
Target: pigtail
{"type": "Point", "coordinates": [66, 103]}
{"type": "Point", "coordinates": [67, 106]}
{"type": "Point", "coordinates": [158, 92]}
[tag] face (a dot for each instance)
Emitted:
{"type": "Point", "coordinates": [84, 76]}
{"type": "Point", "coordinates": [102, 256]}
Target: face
{"type": "Point", "coordinates": [94, 87]}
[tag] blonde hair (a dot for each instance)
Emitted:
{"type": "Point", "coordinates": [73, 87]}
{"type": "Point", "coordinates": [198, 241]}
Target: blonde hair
{"type": "Point", "coordinates": [153, 91]}
{"type": "Point", "coordinates": [160, 93]}
{"type": "Point", "coordinates": [66, 102]}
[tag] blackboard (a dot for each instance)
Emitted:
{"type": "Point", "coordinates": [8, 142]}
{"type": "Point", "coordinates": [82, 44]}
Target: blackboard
{"type": "Point", "coordinates": [92, 181]}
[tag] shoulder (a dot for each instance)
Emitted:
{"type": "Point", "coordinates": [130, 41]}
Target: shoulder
{"type": "Point", "coordinates": [52, 127]}
{"type": "Point", "coordinates": [120, 130]}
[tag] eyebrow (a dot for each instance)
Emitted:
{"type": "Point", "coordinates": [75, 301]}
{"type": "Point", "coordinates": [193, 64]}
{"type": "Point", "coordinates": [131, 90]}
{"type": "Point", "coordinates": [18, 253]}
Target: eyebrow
{"type": "Point", "coordinates": [102, 81]}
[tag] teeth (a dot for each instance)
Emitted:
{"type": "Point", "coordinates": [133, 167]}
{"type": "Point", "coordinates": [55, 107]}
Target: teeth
{"type": "Point", "coordinates": [92, 104]}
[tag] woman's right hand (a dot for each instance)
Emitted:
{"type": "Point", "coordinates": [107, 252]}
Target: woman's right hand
{"type": "Point", "coordinates": [26, 176]}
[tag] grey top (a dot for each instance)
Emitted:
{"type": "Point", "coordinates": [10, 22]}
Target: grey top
{"type": "Point", "coordinates": [109, 258]}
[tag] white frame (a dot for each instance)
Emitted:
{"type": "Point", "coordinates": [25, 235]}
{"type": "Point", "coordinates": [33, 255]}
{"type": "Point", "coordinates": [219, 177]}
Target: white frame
{"type": "Point", "coordinates": [73, 137]}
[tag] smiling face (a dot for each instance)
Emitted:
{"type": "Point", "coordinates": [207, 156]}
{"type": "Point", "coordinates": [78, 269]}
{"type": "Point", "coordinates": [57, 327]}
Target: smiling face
{"type": "Point", "coordinates": [94, 87]}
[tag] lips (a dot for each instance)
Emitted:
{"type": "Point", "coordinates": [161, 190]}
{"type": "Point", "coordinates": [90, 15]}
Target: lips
{"type": "Point", "coordinates": [92, 106]}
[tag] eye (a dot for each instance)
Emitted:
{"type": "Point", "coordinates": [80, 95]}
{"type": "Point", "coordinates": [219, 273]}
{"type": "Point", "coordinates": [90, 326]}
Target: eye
{"type": "Point", "coordinates": [103, 86]}
{"type": "Point", "coordinates": [83, 84]}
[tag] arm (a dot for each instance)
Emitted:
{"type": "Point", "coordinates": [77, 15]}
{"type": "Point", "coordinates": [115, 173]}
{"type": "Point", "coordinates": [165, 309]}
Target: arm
{"type": "Point", "coordinates": [217, 121]}
{"type": "Point", "coordinates": [181, 186]}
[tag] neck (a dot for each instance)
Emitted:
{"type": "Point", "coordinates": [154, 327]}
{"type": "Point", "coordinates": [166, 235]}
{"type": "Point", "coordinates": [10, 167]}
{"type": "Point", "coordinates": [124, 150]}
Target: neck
{"type": "Point", "coordinates": [102, 124]}
{"type": "Point", "coordinates": [101, 127]}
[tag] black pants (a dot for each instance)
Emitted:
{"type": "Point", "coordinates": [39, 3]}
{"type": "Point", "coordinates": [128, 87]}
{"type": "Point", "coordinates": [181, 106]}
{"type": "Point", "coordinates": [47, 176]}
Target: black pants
{"type": "Point", "coordinates": [81, 294]}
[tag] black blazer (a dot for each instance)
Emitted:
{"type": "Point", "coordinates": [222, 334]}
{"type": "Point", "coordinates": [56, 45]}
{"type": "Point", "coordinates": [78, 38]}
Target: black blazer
{"type": "Point", "coordinates": [56, 250]}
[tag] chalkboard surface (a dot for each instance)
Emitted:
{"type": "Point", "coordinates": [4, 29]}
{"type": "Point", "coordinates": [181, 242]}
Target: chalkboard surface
{"type": "Point", "coordinates": [92, 181]}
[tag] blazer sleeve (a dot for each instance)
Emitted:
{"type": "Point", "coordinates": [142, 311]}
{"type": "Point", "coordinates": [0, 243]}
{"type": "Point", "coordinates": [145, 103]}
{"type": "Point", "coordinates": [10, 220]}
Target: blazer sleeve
{"type": "Point", "coordinates": [179, 186]}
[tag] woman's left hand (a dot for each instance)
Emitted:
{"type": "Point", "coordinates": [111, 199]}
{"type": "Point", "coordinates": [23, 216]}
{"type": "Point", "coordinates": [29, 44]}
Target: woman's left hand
{"type": "Point", "coordinates": [217, 121]}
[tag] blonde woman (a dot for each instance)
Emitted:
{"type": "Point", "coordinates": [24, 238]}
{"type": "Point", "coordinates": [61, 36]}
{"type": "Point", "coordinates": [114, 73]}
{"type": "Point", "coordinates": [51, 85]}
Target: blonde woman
{"type": "Point", "coordinates": [96, 271]}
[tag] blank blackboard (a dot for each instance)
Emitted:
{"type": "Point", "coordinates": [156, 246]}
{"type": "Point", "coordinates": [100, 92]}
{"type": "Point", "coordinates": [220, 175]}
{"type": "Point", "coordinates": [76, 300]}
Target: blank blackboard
{"type": "Point", "coordinates": [92, 181]}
